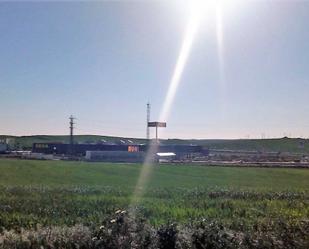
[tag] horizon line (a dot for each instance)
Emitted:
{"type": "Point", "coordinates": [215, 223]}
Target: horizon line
{"type": "Point", "coordinates": [142, 138]}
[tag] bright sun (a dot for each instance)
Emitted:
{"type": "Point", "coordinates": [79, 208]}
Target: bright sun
{"type": "Point", "coordinates": [198, 10]}
{"type": "Point", "coordinates": [201, 8]}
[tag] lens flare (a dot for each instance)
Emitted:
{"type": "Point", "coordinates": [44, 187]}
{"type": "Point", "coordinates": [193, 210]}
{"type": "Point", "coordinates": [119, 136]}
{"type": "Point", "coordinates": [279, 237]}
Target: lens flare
{"type": "Point", "coordinates": [198, 8]}
{"type": "Point", "coordinates": [219, 32]}
{"type": "Point", "coordinates": [220, 52]}
{"type": "Point", "coordinates": [179, 68]}
{"type": "Point", "coordinates": [190, 33]}
{"type": "Point", "coordinates": [145, 173]}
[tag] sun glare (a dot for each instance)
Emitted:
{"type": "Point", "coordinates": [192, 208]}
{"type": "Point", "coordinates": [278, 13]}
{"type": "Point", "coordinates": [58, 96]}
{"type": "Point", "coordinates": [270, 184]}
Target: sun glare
{"type": "Point", "coordinates": [199, 9]}
{"type": "Point", "coordinates": [202, 9]}
{"type": "Point", "coordinates": [190, 33]}
{"type": "Point", "coordinates": [201, 6]}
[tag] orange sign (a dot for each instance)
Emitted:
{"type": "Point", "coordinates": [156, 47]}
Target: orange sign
{"type": "Point", "coordinates": [132, 148]}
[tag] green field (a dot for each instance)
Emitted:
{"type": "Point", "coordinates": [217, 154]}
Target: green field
{"type": "Point", "coordinates": [59, 193]}
{"type": "Point", "coordinates": [61, 204]}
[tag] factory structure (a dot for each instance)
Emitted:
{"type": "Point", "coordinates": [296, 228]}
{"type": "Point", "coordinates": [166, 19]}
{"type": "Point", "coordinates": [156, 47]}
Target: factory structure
{"type": "Point", "coordinates": [149, 149]}
{"type": "Point", "coordinates": [121, 153]}
{"type": "Point", "coordinates": [3, 146]}
{"type": "Point", "coordinates": [124, 152]}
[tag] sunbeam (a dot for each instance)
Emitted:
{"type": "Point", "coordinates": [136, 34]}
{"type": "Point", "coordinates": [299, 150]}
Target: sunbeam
{"type": "Point", "coordinates": [220, 52]}
{"type": "Point", "coordinates": [181, 62]}
{"type": "Point", "coordinates": [219, 34]}
{"type": "Point", "coordinates": [198, 8]}
{"type": "Point", "coordinates": [189, 36]}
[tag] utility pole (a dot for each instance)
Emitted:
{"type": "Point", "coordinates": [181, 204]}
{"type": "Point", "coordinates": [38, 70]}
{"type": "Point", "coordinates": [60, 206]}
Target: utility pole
{"type": "Point", "coordinates": [148, 120]}
{"type": "Point", "coordinates": [71, 118]}
{"type": "Point", "coordinates": [157, 135]}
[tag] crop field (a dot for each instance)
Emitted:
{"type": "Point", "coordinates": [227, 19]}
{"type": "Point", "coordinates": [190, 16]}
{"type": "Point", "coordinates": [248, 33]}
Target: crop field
{"type": "Point", "coordinates": [36, 195]}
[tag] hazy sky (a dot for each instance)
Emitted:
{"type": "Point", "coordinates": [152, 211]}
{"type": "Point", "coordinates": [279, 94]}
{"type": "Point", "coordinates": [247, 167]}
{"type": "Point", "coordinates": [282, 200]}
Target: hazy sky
{"type": "Point", "coordinates": [102, 62]}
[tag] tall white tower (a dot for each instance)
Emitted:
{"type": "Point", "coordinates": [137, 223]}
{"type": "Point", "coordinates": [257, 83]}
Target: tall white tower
{"type": "Point", "coordinates": [148, 120]}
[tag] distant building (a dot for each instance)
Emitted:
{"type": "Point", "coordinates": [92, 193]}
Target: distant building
{"type": "Point", "coordinates": [121, 152]}
{"type": "Point", "coordinates": [3, 147]}
{"type": "Point", "coordinates": [115, 156]}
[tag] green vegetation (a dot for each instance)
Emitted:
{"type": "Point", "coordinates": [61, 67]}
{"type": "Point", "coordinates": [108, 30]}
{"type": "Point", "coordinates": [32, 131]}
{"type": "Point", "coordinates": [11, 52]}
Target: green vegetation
{"type": "Point", "coordinates": [36, 194]}
{"type": "Point", "coordinates": [65, 173]}
{"type": "Point", "coordinates": [73, 192]}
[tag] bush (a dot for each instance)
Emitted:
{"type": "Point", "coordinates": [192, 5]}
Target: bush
{"type": "Point", "coordinates": [132, 231]}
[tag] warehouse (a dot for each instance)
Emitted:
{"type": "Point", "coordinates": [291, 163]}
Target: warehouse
{"type": "Point", "coordinates": [111, 152]}
{"type": "Point", "coordinates": [115, 156]}
{"type": "Point", "coordinates": [3, 147]}
{"type": "Point", "coordinates": [77, 149]}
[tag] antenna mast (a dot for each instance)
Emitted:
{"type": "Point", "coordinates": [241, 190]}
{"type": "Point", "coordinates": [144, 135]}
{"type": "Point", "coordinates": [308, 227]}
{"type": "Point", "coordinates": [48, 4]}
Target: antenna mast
{"type": "Point", "coordinates": [71, 118]}
{"type": "Point", "coordinates": [148, 120]}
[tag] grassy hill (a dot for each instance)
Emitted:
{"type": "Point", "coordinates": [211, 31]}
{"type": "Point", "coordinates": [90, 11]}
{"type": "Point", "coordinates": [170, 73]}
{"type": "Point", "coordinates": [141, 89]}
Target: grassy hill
{"type": "Point", "coordinates": [296, 145]}
{"type": "Point", "coordinates": [26, 142]}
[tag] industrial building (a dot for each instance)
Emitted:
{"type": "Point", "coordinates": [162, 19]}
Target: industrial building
{"type": "Point", "coordinates": [122, 152]}
{"type": "Point", "coordinates": [119, 153]}
{"type": "Point", "coordinates": [115, 156]}
{"type": "Point", "coordinates": [3, 147]}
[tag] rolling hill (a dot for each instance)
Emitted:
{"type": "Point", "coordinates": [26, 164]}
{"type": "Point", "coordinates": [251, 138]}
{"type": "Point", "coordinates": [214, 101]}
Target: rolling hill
{"type": "Point", "coordinates": [295, 145]}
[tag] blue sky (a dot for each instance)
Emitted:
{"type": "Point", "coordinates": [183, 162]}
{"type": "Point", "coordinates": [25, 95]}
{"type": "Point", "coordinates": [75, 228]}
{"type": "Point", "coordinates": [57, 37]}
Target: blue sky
{"type": "Point", "coordinates": [102, 62]}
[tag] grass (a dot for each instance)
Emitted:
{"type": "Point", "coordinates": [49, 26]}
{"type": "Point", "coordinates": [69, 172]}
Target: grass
{"type": "Point", "coordinates": [62, 173]}
{"type": "Point", "coordinates": [59, 204]}
{"type": "Point", "coordinates": [69, 193]}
